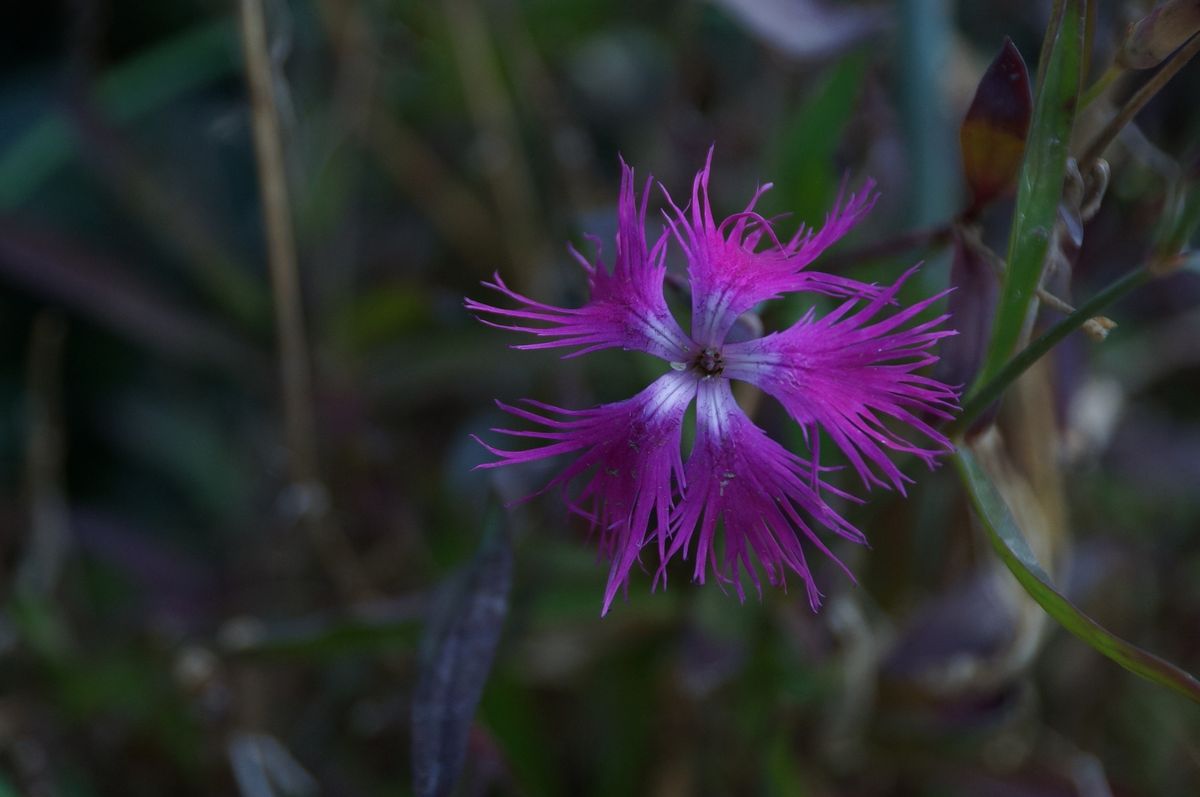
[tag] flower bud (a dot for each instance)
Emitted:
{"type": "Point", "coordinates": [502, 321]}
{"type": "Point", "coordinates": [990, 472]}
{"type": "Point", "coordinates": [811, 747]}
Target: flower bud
{"type": "Point", "coordinates": [993, 133]}
{"type": "Point", "coordinates": [1159, 33]}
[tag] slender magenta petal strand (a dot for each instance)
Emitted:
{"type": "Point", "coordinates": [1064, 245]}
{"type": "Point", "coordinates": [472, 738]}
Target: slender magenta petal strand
{"type": "Point", "coordinates": [628, 466]}
{"type": "Point", "coordinates": [767, 499]}
{"type": "Point", "coordinates": [731, 271]}
{"type": "Point", "coordinates": [626, 308]}
{"type": "Point", "coordinates": [855, 376]}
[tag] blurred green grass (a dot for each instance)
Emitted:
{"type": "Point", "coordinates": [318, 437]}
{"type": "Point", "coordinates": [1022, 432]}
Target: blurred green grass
{"type": "Point", "coordinates": [189, 607]}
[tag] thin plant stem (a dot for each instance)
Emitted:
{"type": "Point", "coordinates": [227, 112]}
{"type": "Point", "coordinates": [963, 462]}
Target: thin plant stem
{"type": "Point", "coordinates": [979, 400]}
{"type": "Point", "coordinates": [298, 406]}
{"type": "Point", "coordinates": [925, 238]}
{"type": "Point", "coordinates": [1097, 89]}
{"type": "Point", "coordinates": [1135, 104]}
{"type": "Point", "coordinates": [464, 221]}
{"type": "Point", "coordinates": [165, 212]}
{"type": "Point", "coordinates": [466, 224]}
{"type": "Point", "coordinates": [49, 520]}
{"type": "Point", "coordinates": [1089, 39]}
{"type": "Point", "coordinates": [491, 107]}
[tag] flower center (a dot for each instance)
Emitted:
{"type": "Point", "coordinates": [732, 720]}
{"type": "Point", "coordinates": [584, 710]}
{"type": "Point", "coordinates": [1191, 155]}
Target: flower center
{"type": "Point", "coordinates": [709, 362]}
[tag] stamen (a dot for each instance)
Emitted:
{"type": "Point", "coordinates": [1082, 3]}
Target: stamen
{"type": "Point", "coordinates": [709, 362]}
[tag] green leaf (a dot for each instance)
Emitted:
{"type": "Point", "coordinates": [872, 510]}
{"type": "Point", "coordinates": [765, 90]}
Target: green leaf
{"type": "Point", "coordinates": [382, 315]}
{"type": "Point", "coordinates": [1180, 219]}
{"type": "Point", "coordinates": [1010, 544]}
{"type": "Point", "coordinates": [923, 42]}
{"type": "Point", "coordinates": [149, 80]}
{"type": "Point", "coordinates": [368, 629]}
{"type": "Point", "coordinates": [510, 710]}
{"type": "Point", "coordinates": [1040, 184]}
{"type": "Point", "coordinates": [985, 393]}
{"type": "Point", "coordinates": [804, 149]}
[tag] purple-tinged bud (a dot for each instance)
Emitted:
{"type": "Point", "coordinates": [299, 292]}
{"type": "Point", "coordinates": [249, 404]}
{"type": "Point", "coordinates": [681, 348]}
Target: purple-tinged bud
{"type": "Point", "coordinates": [1159, 33]}
{"type": "Point", "coordinates": [972, 306]}
{"type": "Point", "coordinates": [994, 131]}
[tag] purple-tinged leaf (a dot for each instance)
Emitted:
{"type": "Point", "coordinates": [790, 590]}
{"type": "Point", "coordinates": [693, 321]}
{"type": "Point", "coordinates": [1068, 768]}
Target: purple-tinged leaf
{"type": "Point", "coordinates": [263, 767]}
{"type": "Point", "coordinates": [806, 29]}
{"type": "Point", "coordinates": [993, 133]}
{"type": "Point", "coordinates": [460, 642]}
{"type": "Point", "coordinates": [171, 584]}
{"type": "Point", "coordinates": [972, 306]}
{"type": "Point", "coordinates": [949, 641]}
{"type": "Point", "coordinates": [101, 290]}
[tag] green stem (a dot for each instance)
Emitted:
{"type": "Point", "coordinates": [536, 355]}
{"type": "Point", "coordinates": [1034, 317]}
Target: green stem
{"type": "Point", "coordinates": [924, 238]}
{"type": "Point", "coordinates": [981, 398]}
{"type": "Point", "coordinates": [1101, 85]}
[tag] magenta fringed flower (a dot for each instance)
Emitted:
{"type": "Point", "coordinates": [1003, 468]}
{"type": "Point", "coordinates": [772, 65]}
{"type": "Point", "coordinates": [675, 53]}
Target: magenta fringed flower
{"type": "Point", "coordinates": [742, 506]}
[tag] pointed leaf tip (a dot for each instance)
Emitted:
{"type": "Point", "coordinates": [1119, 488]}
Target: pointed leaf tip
{"type": "Point", "coordinates": [996, 125]}
{"type": "Point", "coordinates": [1040, 180]}
{"type": "Point", "coordinates": [460, 639]}
{"type": "Point", "coordinates": [993, 510]}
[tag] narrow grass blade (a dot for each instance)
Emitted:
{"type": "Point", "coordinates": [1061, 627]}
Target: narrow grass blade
{"type": "Point", "coordinates": [1010, 544]}
{"type": "Point", "coordinates": [147, 81]}
{"type": "Point", "coordinates": [1040, 184]}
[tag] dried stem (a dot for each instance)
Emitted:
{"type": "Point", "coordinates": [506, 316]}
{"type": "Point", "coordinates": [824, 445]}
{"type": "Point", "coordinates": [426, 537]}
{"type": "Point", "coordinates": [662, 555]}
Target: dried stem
{"type": "Point", "coordinates": [467, 225]}
{"type": "Point", "coordinates": [165, 212]}
{"type": "Point", "coordinates": [1135, 104]}
{"type": "Point", "coordinates": [495, 119]}
{"type": "Point", "coordinates": [296, 376]}
{"type": "Point", "coordinates": [1102, 84]}
{"type": "Point", "coordinates": [971, 238]}
{"type": "Point", "coordinates": [926, 238]}
{"type": "Point", "coordinates": [51, 266]}
{"type": "Point", "coordinates": [48, 516]}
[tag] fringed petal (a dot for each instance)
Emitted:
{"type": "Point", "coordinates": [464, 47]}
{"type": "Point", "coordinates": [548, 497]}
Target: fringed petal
{"type": "Point", "coordinates": [855, 375]}
{"type": "Point", "coordinates": [628, 466]}
{"type": "Point", "coordinates": [626, 308]}
{"type": "Point", "coordinates": [767, 499]}
{"type": "Point", "coordinates": [730, 272]}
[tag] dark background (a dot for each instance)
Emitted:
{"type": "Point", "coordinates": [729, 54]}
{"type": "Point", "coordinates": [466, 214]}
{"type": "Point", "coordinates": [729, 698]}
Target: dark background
{"type": "Point", "coordinates": [172, 625]}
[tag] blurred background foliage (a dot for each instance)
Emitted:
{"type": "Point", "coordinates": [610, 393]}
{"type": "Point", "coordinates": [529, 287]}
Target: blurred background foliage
{"type": "Point", "coordinates": [180, 616]}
